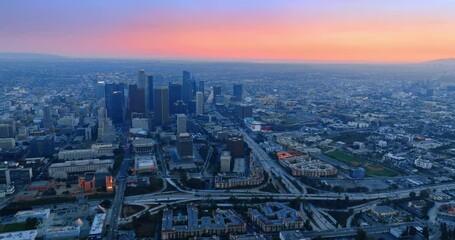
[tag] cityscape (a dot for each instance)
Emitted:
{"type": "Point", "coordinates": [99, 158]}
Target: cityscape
{"type": "Point", "coordinates": [97, 145]}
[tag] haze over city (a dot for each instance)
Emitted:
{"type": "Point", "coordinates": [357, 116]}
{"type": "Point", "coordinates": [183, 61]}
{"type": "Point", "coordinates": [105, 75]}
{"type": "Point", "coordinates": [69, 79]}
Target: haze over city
{"type": "Point", "coordinates": [227, 120]}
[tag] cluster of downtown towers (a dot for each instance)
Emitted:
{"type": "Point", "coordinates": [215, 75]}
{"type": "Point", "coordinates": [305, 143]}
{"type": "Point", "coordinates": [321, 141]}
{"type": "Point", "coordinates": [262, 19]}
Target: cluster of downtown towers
{"type": "Point", "coordinates": [142, 100]}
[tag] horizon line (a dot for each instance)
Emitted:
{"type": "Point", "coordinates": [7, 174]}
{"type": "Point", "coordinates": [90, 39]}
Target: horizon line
{"type": "Point", "coordinates": [220, 60]}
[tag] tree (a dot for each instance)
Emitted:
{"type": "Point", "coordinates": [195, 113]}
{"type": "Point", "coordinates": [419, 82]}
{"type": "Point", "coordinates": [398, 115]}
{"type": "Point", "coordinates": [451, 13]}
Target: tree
{"type": "Point", "coordinates": [426, 232]}
{"type": "Point", "coordinates": [361, 235]}
{"type": "Point", "coordinates": [412, 194]}
{"type": "Point", "coordinates": [425, 193]}
{"type": "Point", "coordinates": [31, 223]}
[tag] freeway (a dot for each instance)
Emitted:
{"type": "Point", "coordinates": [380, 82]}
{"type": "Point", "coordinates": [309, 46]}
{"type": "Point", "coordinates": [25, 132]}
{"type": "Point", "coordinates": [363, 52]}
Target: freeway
{"type": "Point", "coordinates": [273, 168]}
{"type": "Point", "coordinates": [239, 194]}
{"type": "Point", "coordinates": [344, 232]}
{"type": "Point", "coordinates": [119, 194]}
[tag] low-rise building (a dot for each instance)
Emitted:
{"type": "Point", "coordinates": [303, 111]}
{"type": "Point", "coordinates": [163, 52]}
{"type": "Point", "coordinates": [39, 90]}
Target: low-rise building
{"type": "Point", "coordinates": [96, 230]}
{"type": "Point", "coordinates": [275, 217]}
{"type": "Point", "coordinates": [307, 167]}
{"type": "Point", "coordinates": [20, 235]}
{"type": "Point", "coordinates": [145, 163]}
{"type": "Point", "coordinates": [62, 170]}
{"type": "Point", "coordinates": [67, 232]}
{"type": "Point", "coordinates": [144, 145]}
{"type": "Point", "coordinates": [96, 151]}
{"type": "Point", "coordinates": [384, 211]}
{"type": "Point", "coordinates": [179, 226]}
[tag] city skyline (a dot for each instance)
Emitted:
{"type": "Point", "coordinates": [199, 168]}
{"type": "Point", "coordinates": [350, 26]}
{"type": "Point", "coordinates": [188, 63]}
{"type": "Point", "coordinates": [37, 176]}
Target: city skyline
{"type": "Point", "coordinates": [296, 31]}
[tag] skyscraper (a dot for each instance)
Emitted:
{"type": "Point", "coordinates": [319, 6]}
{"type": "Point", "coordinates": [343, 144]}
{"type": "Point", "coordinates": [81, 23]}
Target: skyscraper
{"type": "Point", "coordinates": [225, 161]}
{"type": "Point", "coordinates": [175, 94]}
{"type": "Point", "coordinates": [201, 87]}
{"type": "Point", "coordinates": [149, 93]}
{"type": "Point", "coordinates": [199, 103]}
{"type": "Point", "coordinates": [185, 145]}
{"type": "Point", "coordinates": [187, 87]}
{"type": "Point", "coordinates": [47, 119]}
{"type": "Point", "coordinates": [161, 105]}
{"type": "Point", "coordinates": [181, 123]}
{"type": "Point", "coordinates": [137, 99]}
{"type": "Point", "coordinates": [238, 90]}
{"type": "Point", "coordinates": [141, 79]}
{"type": "Point", "coordinates": [99, 89]}
{"type": "Point", "coordinates": [116, 102]}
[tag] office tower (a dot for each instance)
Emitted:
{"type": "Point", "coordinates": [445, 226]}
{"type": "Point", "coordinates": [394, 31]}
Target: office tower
{"type": "Point", "coordinates": [175, 94]}
{"type": "Point", "coordinates": [116, 102]}
{"type": "Point", "coordinates": [42, 146]}
{"type": "Point", "coordinates": [141, 79]}
{"type": "Point", "coordinates": [225, 161]}
{"type": "Point", "coordinates": [185, 145]}
{"type": "Point", "coordinates": [193, 88]}
{"type": "Point", "coordinates": [235, 145]}
{"type": "Point", "coordinates": [117, 108]}
{"type": "Point", "coordinates": [180, 107]}
{"type": "Point", "coordinates": [199, 103]}
{"type": "Point", "coordinates": [181, 124]}
{"type": "Point", "coordinates": [192, 107]}
{"type": "Point", "coordinates": [201, 87]}
{"type": "Point", "coordinates": [137, 99]}
{"type": "Point", "coordinates": [99, 89]}
{"type": "Point", "coordinates": [149, 93]}
{"type": "Point", "coordinates": [187, 87]}
{"type": "Point", "coordinates": [244, 111]}
{"type": "Point", "coordinates": [47, 119]}
{"type": "Point", "coordinates": [216, 93]}
{"type": "Point", "coordinates": [7, 128]}
{"type": "Point", "coordinates": [161, 105]}
{"type": "Point", "coordinates": [106, 131]}
{"type": "Point", "coordinates": [238, 90]}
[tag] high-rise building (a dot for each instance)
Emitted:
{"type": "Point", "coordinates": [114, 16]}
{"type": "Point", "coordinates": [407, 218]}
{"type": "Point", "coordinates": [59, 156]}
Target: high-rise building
{"type": "Point", "coordinates": [116, 102]}
{"type": "Point", "coordinates": [180, 107]}
{"type": "Point", "coordinates": [118, 110]}
{"type": "Point", "coordinates": [175, 94]}
{"type": "Point", "coordinates": [137, 99]}
{"type": "Point", "coordinates": [187, 87]}
{"type": "Point", "coordinates": [244, 111]}
{"type": "Point", "coordinates": [141, 79]}
{"type": "Point", "coordinates": [193, 88]}
{"type": "Point", "coordinates": [7, 128]}
{"type": "Point", "coordinates": [225, 161]}
{"type": "Point", "coordinates": [181, 124]}
{"type": "Point", "coordinates": [149, 94]}
{"type": "Point", "coordinates": [161, 105]}
{"type": "Point", "coordinates": [199, 103]}
{"type": "Point", "coordinates": [238, 90]}
{"type": "Point", "coordinates": [216, 93]}
{"type": "Point", "coordinates": [99, 90]}
{"type": "Point", "coordinates": [42, 146]}
{"type": "Point", "coordinates": [185, 145]}
{"type": "Point", "coordinates": [47, 119]}
{"type": "Point", "coordinates": [201, 87]}
{"type": "Point", "coordinates": [235, 145]}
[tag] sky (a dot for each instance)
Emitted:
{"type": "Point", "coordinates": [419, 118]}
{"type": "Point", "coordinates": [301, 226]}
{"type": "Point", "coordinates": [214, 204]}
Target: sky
{"type": "Point", "coordinates": [262, 30]}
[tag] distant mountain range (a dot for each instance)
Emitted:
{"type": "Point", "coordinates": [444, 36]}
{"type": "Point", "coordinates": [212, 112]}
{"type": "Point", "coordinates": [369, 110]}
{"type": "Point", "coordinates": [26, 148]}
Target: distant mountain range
{"type": "Point", "coordinates": [442, 61]}
{"type": "Point", "coordinates": [28, 56]}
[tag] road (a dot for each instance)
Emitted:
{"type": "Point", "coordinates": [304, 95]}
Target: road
{"type": "Point", "coordinates": [119, 194]}
{"type": "Point", "coordinates": [344, 232]}
{"type": "Point", "coordinates": [272, 167]}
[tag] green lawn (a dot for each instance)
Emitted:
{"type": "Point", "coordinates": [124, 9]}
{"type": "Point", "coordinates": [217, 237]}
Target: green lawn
{"type": "Point", "coordinates": [373, 170]}
{"type": "Point", "coordinates": [13, 227]}
{"type": "Point", "coordinates": [379, 171]}
{"type": "Point", "coordinates": [346, 158]}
